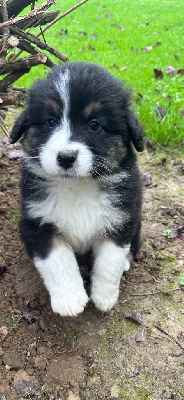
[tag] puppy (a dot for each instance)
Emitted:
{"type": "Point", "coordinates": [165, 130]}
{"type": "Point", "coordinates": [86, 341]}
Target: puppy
{"type": "Point", "coordinates": [81, 186]}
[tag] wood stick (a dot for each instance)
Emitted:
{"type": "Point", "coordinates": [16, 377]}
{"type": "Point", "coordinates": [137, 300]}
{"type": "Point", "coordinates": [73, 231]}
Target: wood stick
{"type": "Point", "coordinates": [12, 98]}
{"type": "Point", "coordinates": [32, 13]}
{"type": "Point", "coordinates": [30, 38]}
{"type": "Point", "coordinates": [15, 7]}
{"type": "Point", "coordinates": [6, 30]}
{"type": "Point", "coordinates": [11, 78]}
{"type": "Point", "coordinates": [159, 327]}
{"type": "Point", "coordinates": [62, 16]}
{"type": "Point", "coordinates": [26, 46]}
{"type": "Point", "coordinates": [42, 18]}
{"type": "Point", "coordinates": [25, 68]}
{"type": "Point", "coordinates": [23, 63]}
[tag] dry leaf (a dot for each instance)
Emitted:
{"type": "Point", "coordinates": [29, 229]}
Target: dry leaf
{"type": "Point", "coordinates": [161, 112]}
{"type": "Point", "coordinates": [158, 73]}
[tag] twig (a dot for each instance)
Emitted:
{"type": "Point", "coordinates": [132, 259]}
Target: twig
{"type": "Point", "coordinates": [32, 5]}
{"type": "Point", "coordinates": [53, 22]}
{"type": "Point", "coordinates": [154, 293]}
{"type": "Point", "coordinates": [150, 294]}
{"type": "Point", "coordinates": [26, 46]}
{"type": "Point", "coordinates": [4, 127]}
{"type": "Point", "coordinates": [15, 7]}
{"type": "Point", "coordinates": [30, 38]}
{"type": "Point", "coordinates": [23, 63]}
{"type": "Point", "coordinates": [13, 327]}
{"type": "Point", "coordinates": [39, 20]}
{"type": "Point", "coordinates": [62, 16]}
{"type": "Point", "coordinates": [6, 30]}
{"type": "Point", "coordinates": [32, 13]}
{"type": "Point", "coordinates": [159, 327]}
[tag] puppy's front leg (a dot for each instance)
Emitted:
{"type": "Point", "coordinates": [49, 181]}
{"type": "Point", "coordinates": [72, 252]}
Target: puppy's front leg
{"type": "Point", "coordinates": [110, 263]}
{"type": "Point", "coordinates": [63, 281]}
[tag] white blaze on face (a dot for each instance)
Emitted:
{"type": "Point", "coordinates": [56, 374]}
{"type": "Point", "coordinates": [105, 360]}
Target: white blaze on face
{"type": "Point", "coordinates": [60, 140]}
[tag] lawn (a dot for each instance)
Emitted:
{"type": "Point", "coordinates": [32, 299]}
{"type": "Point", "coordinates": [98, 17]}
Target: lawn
{"type": "Point", "coordinates": [130, 39]}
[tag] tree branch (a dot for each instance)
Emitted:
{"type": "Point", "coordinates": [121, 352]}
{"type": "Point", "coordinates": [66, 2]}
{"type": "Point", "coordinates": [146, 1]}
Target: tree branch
{"type": "Point", "coordinates": [41, 18]}
{"type": "Point", "coordinates": [15, 7]}
{"type": "Point", "coordinates": [33, 13]}
{"type": "Point", "coordinates": [39, 43]}
{"type": "Point", "coordinates": [25, 68]}
{"type": "Point", "coordinates": [6, 30]}
{"type": "Point", "coordinates": [12, 98]}
{"type": "Point", "coordinates": [62, 16]}
{"type": "Point", "coordinates": [23, 63]}
{"type": "Point", "coordinates": [26, 46]}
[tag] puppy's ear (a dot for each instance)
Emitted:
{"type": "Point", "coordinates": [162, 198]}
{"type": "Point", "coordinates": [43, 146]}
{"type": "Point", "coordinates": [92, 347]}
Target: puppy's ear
{"type": "Point", "coordinates": [20, 126]}
{"type": "Point", "coordinates": [136, 131]}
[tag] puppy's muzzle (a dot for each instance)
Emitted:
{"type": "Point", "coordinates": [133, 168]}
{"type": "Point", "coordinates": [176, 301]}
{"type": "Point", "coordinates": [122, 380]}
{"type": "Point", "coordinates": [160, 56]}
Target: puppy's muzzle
{"type": "Point", "coordinates": [66, 160]}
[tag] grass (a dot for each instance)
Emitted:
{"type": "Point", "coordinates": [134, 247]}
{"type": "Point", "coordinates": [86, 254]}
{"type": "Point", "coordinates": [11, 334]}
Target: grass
{"type": "Point", "coordinates": [94, 33]}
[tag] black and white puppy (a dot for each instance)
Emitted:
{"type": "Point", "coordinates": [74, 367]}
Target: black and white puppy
{"type": "Point", "coordinates": [81, 186]}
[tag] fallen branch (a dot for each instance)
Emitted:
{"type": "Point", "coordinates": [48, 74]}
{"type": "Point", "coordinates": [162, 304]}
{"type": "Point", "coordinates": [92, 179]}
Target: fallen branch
{"type": "Point", "coordinates": [11, 78]}
{"type": "Point", "coordinates": [12, 98]}
{"type": "Point", "coordinates": [32, 13]}
{"type": "Point", "coordinates": [26, 46]}
{"type": "Point", "coordinates": [41, 18]}
{"type": "Point", "coordinates": [23, 63]}
{"type": "Point", "coordinates": [15, 7]}
{"type": "Point", "coordinates": [62, 16]}
{"type": "Point", "coordinates": [30, 38]}
{"type": "Point", "coordinates": [4, 127]}
{"type": "Point", "coordinates": [54, 21]}
{"type": "Point", "coordinates": [6, 30]}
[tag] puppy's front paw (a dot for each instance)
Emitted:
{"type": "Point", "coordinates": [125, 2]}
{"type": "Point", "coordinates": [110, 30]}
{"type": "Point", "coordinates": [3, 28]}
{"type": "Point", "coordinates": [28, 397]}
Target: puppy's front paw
{"type": "Point", "coordinates": [70, 304]}
{"type": "Point", "coordinates": [104, 295]}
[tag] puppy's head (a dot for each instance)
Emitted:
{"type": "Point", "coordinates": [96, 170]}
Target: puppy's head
{"type": "Point", "coordinates": [77, 123]}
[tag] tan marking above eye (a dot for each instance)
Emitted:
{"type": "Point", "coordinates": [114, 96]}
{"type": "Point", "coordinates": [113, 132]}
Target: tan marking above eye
{"type": "Point", "coordinates": [53, 106]}
{"type": "Point", "coordinates": [91, 108]}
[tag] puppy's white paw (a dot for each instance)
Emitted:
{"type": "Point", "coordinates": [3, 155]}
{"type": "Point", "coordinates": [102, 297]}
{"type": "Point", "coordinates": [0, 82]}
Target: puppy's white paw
{"type": "Point", "coordinates": [70, 303]}
{"type": "Point", "coordinates": [105, 295]}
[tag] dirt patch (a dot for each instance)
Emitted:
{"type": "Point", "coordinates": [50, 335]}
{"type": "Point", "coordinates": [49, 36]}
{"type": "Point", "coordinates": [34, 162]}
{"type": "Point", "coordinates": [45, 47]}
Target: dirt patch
{"type": "Point", "coordinates": [96, 355]}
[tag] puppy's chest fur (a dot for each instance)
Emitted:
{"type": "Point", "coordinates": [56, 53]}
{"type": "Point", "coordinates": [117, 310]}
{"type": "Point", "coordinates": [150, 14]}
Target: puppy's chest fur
{"type": "Point", "coordinates": [81, 211]}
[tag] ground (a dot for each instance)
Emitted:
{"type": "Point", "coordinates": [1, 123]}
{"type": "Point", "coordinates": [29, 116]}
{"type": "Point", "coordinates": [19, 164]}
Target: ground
{"type": "Point", "coordinates": [97, 355]}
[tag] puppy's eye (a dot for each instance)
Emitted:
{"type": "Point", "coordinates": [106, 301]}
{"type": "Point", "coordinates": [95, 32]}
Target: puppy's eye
{"type": "Point", "coordinates": [51, 122]}
{"type": "Point", "coordinates": [94, 126]}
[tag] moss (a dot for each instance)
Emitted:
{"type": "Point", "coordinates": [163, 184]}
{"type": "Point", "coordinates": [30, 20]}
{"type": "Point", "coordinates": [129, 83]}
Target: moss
{"type": "Point", "coordinates": [122, 328]}
{"type": "Point", "coordinates": [13, 216]}
{"type": "Point", "coordinates": [162, 261]}
{"type": "Point", "coordinates": [165, 260]}
{"type": "Point", "coordinates": [137, 392]}
{"type": "Point", "coordinates": [71, 337]}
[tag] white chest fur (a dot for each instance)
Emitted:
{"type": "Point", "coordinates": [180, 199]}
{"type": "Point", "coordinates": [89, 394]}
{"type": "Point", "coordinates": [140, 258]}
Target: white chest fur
{"type": "Point", "coordinates": [80, 210]}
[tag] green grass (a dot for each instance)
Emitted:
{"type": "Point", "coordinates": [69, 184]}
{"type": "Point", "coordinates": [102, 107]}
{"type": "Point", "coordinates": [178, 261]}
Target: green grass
{"type": "Point", "coordinates": [93, 35]}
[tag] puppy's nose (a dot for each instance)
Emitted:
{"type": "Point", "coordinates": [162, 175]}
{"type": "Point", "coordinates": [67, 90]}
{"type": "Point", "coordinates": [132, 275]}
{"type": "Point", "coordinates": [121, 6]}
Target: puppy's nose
{"type": "Point", "coordinates": [66, 160]}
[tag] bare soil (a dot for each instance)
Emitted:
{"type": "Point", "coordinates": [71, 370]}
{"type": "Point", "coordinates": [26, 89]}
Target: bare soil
{"type": "Point", "coordinates": [96, 355]}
